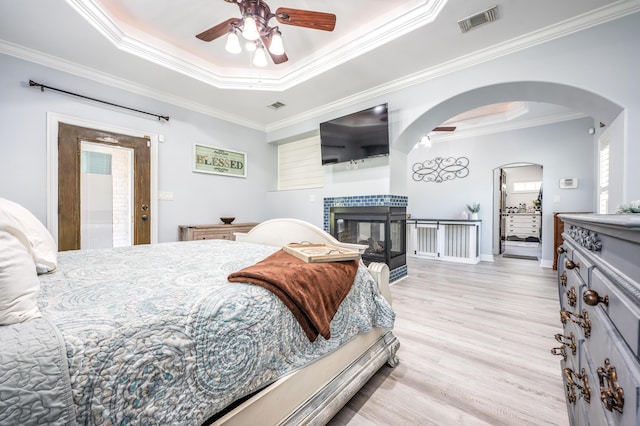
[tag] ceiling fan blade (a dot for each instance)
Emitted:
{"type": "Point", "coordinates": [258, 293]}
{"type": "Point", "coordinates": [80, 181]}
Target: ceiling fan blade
{"type": "Point", "coordinates": [277, 59]}
{"type": "Point", "coordinates": [306, 18]}
{"type": "Point", "coordinates": [444, 129]}
{"type": "Point", "coordinates": [217, 31]}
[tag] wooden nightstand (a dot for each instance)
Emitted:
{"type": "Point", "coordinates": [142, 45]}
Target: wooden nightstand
{"type": "Point", "coordinates": [213, 232]}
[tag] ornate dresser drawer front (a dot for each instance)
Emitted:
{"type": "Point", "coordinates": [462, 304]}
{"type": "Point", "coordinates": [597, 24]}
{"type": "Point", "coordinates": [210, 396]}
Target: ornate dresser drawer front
{"type": "Point", "coordinates": [571, 291]}
{"type": "Point", "coordinates": [616, 371]}
{"type": "Point", "coordinates": [622, 312]}
{"type": "Point", "coordinates": [575, 261]}
{"type": "Point", "coordinates": [577, 407]}
{"type": "Point", "coordinates": [568, 347]}
{"type": "Point", "coordinates": [594, 411]}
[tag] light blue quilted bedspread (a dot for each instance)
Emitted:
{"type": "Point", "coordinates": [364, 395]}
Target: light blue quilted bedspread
{"type": "Point", "coordinates": [157, 335]}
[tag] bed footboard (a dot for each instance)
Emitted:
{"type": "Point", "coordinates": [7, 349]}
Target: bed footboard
{"type": "Point", "coordinates": [279, 232]}
{"type": "Point", "coordinates": [314, 394]}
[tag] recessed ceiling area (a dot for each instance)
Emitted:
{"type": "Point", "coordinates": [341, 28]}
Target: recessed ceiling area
{"type": "Point", "coordinates": [149, 48]}
{"type": "Point", "coordinates": [503, 116]}
{"type": "Point", "coordinates": [165, 32]}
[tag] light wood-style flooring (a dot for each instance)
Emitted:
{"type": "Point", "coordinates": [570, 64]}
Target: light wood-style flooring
{"type": "Point", "coordinates": [475, 349]}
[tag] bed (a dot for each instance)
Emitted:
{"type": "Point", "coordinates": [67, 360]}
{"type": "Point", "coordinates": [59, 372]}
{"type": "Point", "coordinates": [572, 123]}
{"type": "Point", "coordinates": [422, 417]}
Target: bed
{"type": "Point", "coordinates": [157, 334]}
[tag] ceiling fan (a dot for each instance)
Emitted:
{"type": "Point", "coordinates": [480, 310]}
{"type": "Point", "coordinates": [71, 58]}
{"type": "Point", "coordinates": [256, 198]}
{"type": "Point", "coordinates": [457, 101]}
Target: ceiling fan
{"type": "Point", "coordinates": [254, 27]}
{"type": "Point", "coordinates": [444, 129]}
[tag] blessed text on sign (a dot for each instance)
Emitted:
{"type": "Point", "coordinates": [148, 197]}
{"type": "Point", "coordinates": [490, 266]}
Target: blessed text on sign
{"type": "Point", "coordinates": [208, 159]}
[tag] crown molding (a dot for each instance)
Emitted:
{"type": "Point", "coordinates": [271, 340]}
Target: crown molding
{"type": "Point", "coordinates": [604, 14]}
{"type": "Point", "coordinates": [76, 69]}
{"type": "Point", "coordinates": [587, 20]}
{"type": "Point", "coordinates": [166, 55]}
{"type": "Point", "coordinates": [505, 127]}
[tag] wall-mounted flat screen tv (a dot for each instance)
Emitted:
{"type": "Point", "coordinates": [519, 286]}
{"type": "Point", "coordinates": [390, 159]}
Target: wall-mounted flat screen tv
{"type": "Point", "coordinates": [356, 136]}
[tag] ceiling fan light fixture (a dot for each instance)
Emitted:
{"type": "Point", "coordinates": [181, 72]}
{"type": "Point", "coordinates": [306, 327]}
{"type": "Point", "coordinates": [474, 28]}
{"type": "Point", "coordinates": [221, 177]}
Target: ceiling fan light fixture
{"type": "Point", "coordinates": [250, 46]}
{"type": "Point", "coordinates": [233, 43]}
{"type": "Point", "coordinates": [426, 141]}
{"type": "Point", "coordinates": [250, 29]}
{"type": "Point", "coordinates": [260, 57]}
{"type": "Point", "coordinates": [276, 47]}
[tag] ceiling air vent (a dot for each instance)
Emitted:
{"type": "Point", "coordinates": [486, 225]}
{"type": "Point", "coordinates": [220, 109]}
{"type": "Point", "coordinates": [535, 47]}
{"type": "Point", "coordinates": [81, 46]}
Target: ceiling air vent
{"type": "Point", "coordinates": [479, 18]}
{"type": "Point", "coordinates": [276, 105]}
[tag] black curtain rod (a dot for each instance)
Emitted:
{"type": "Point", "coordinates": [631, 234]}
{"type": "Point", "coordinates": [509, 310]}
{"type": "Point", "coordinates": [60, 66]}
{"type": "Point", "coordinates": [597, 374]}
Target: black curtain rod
{"type": "Point", "coordinates": [42, 87]}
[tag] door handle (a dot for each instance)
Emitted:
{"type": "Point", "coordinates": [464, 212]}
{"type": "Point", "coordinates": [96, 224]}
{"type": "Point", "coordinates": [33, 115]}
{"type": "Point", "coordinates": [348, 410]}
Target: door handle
{"type": "Point", "coordinates": [145, 216]}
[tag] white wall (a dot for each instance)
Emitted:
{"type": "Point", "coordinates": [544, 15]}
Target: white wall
{"type": "Point", "coordinates": [563, 150]}
{"type": "Point", "coordinates": [591, 71]}
{"type": "Point", "coordinates": [596, 61]}
{"type": "Point", "coordinates": [198, 198]}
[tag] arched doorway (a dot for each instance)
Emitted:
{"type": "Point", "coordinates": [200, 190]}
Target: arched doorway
{"type": "Point", "coordinates": [518, 207]}
{"type": "Point", "coordinates": [594, 109]}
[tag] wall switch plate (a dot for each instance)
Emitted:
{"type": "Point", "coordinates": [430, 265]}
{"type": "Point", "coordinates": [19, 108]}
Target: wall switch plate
{"type": "Point", "coordinates": [165, 195]}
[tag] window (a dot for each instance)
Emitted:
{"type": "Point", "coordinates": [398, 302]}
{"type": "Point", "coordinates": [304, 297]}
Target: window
{"type": "Point", "coordinates": [300, 164]}
{"type": "Point", "coordinates": [527, 186]}
{"type": "Point", "coordinates": [603, 176]}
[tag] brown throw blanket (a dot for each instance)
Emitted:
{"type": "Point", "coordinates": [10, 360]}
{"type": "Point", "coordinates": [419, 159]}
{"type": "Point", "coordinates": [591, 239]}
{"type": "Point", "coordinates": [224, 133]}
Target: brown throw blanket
{"type": "Point", "coordinates": [312, 291]}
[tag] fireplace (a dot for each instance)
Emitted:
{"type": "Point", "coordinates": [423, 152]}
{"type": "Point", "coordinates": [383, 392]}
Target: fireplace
{"type": "Point", "coordinates": [381, 228]}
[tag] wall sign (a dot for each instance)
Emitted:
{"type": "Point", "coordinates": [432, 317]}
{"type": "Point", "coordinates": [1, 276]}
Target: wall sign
{"type": "Point", "coordinates": [441, 169]}
{"type": "Point", "coordinates": [207, 159]}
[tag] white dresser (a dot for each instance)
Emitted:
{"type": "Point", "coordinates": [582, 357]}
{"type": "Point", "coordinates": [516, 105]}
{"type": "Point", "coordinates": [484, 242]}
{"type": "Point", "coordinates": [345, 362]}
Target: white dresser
{"type": "Point", "coordinates": [522, 227]}
{"type": "Point", "coordinates": [599, 293]}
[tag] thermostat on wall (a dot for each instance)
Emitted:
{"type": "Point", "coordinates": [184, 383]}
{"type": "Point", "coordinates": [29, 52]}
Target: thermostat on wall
{"type": "Point", "coordinates": [569, 183]}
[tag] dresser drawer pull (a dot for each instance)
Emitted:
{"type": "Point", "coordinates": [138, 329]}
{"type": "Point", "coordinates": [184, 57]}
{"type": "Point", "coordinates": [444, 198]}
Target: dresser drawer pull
{"type": "Point", "coordinates": [560, 250]}
{"type": "Point", "coordinates": [571, 385]}
{"type": "Point", "coordinates": [562, 351]}
{"type": "Point", "coordinates": [611, 394]}
{"type": "Point", "coordinates": [569, 341]}
{"type": "Point", "coordinates": [563, 279]}
{"type": "Point", "coordinates": [592, 298]}
{"type": "Point", "coordinates": [569, 264]}
{"type": "Point", "coordinates": [572, 296]}
{"type": "Point", "coordinates": [581, 320]}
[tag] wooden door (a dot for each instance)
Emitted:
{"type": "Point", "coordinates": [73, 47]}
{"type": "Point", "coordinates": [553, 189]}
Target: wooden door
{"type": "Point", "coordinates": [70, 139]}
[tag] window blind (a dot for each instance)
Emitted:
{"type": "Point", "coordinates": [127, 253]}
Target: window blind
{"type": "Point", "coordinates": [300, 164]}
{"type": "Point", "coordinates": [603, 176]}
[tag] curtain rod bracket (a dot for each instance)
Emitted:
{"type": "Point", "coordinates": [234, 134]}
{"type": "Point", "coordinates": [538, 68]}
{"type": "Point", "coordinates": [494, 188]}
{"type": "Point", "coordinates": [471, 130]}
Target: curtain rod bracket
{"type": "Point", "coordinates": [42, 87]}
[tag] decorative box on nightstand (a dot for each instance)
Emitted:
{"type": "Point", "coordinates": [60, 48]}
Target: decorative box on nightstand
{"type": "Point", "coordinates": [213, 232]}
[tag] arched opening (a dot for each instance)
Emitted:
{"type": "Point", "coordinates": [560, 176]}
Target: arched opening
{"type": "Point", "coordinates": [543, 144]}
{"type": "Point", "coordinates": [517, 224]}
{"type": "Point", "coordinates": [589, 103]}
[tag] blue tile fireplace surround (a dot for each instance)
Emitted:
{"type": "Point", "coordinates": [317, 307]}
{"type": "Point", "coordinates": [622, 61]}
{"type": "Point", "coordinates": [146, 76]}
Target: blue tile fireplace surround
{"type": "Point", "coordinates": [377, 220]}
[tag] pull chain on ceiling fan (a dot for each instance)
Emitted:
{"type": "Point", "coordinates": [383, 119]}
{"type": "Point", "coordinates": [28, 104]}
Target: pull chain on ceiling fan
{"type": "Point", "coordinates": [254, 27]}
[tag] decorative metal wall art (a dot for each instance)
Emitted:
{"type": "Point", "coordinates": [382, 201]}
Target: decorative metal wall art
{"type": "Point", "coordinates": [441, 169]}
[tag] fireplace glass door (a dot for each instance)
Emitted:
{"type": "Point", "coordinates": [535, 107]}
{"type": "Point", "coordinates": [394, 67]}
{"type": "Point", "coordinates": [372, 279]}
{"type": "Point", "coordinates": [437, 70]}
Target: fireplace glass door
{"type": "Point", "coordinates": [380, 229]}
{"type": "Point", "coordinates": [370, 233]}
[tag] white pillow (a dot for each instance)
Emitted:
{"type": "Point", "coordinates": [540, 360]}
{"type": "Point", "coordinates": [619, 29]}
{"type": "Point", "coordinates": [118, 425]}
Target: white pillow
{"type": "Point", "coordinates": [43, 247]}
{"type": "Point", "coordinates": [19, 283]}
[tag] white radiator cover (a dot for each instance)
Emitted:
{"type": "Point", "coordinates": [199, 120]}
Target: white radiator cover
{"type": "Point", "coordinates": [454, 241]}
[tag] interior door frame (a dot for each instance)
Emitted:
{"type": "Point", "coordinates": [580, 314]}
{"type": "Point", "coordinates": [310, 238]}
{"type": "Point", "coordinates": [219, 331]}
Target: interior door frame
{"type": "Point", "coordinates": [497, 203]}
{"type": "Point", "coordinates": [53, 120]}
